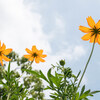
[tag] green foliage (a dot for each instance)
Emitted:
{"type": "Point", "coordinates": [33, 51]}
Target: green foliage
{"type": "Point", "coordinates": [63, 84]}
{"type": "Point", "coordinates": [10, 85]}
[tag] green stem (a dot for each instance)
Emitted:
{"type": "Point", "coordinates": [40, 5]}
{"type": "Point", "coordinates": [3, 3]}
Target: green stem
{"type": "Point", "coordinates": [86, 65]}
{"type": "Point", "coordinates": [8, 96]}
{"type": "Point", "coordinates": [64, 97]}
{"type": "Point", "coordinates": [85, 68]}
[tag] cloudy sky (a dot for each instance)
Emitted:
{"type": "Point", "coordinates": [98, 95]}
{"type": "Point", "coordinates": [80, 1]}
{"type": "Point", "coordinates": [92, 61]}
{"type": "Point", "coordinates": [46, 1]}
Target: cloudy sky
{"type": "Point", "coordinates": [52, 25]}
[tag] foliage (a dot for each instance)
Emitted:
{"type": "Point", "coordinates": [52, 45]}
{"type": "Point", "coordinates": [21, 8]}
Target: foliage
{"type": "Point", "coordinates": [63, 83]}
{"type": "Point", "coordinates": [11, 84]}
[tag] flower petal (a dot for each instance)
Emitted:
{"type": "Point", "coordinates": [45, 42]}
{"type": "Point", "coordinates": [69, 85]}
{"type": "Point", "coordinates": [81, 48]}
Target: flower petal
{"type": "Point", "coordinates": [5, 58]}
{"type": "Point", "coordinates": [86, 37]}
{"type": "Point", "coordinates": [27, 56]}
{"type": "Point", "coordinates": [90, 21]}
{"type": "Point", "coordinates": [92, 39]}
{"type": "Point", "coordinates": [28, 51]}
{"type": "Point", "coordinates": [41, 51]}
{"type": "Point", "coordinates": [3, 47]}
{"type": "Point", "coordinates": [98, 40]}
{"type": "Point", "coordinates": [37, 60]}
{"type": "Point", "coordinates": [31, 59]}
{"type": "Point", "coordinates": [7, 51]}
{"type": "Point", "coordinates": [34, 49]}
{"type": "Point", "coordinates": [84, 29]}
{"type": "Point", "coordinates": [43, 56]}
{"type": "Point", "coordinates": [42, 60]}
{"type": "Point", "coordinates": [98, 24]}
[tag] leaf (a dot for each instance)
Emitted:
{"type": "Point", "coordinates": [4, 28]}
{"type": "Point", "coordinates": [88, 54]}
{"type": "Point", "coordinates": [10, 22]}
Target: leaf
{"type": "Point", "coordinates": [77, 96]}
{"type": "Point", "coordinates": [87, 93]}
{"type": "Point", "coordinates": [82, 90]}
{"type": "Point", "coordinates": [43, 76]}
{"type": "Point", "coordinates": [94, 92]}
{"type": "Point", "coordinates": [32, 72]}
{"type": "Point", "coordinates": [8, 73]}
{"type": "Point", "coordinates": [49, 77]}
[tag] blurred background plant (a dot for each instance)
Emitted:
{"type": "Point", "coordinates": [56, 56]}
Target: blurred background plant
{"type": "Point", "coordinates": [11, 85]}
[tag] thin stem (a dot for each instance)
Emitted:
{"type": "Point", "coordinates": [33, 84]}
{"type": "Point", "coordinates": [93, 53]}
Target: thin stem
{"type": "Point", "coordinates": [86, 65]}
{"type": "Point", "coordinates": [85, 68]}
{"type": "Point", "coordinates": [64, 97]}
{"type": "Point", "coordinates": [8, 96]}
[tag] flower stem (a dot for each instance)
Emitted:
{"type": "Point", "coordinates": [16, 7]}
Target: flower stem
{"type": "Point", "coordinates": [86, 65]}
{"type": "Point", "coordinates": [84, 69]}
{"type": "Point", "coordinates": [8, 96]}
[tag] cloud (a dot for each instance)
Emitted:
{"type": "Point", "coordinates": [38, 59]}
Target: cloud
{"type": "Point", "coordinates": [20, 27]}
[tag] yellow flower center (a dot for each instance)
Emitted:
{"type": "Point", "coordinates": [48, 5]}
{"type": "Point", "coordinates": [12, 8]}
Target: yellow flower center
{"type": "Point", "coordinates": [95, 31]}
{"type": "Point", "coordinates": [34, 54]}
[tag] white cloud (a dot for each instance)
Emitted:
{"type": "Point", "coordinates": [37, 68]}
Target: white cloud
{"type": "Point", "coordinates": [21, 28]}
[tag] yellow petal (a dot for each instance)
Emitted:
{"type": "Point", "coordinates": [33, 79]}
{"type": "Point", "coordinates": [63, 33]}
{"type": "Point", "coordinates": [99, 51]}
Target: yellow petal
{"type": "Point", "coordinates": [43, 56]}
{"type": "Point", "coordinates": [7, 51]}
{"type": "Point", "coordinates": [98, 40]}
{"type": "Point", "coordinates": [84, 29]}
{"type": "Point", "coordinates": [92, 39]}
{"type": "Point", "coordinates": [27, 56]}
{"type": "Point", "coordinates": [31, 59]}
{"type": "Point", "coordinates": [3, 47]}
{"type": "Point", "coordinates": [42, 60]}
{"type": "Point", "coordinates": [41, 51]}
{"type": "Point", "coordinates": [98, 24]}
{"type": "Point", "coordinates": [86, 37]}
{"type": "Point", "coordinates": [34, 49]}
{"type": "Point", "coordinates": [90, 21]}
{"type": "Point", "coordinates": [28, 51]}
{"type": "Point", "coordinates": [37, 60]}
{"type": "Point", "coordinates": [5, 58]}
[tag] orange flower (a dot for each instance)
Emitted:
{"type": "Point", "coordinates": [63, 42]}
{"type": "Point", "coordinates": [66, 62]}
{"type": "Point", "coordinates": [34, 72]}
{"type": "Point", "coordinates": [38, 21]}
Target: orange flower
{"type": "Point", "coordinates": [93, 32]}
{"type": "Point", "coordinates": [35, 54]}
{"type": "Point", "coordinates": [3, 53]}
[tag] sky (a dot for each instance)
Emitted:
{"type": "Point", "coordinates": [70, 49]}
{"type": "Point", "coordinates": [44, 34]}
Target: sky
{"type": "Point", "coordinates": [53, 25]}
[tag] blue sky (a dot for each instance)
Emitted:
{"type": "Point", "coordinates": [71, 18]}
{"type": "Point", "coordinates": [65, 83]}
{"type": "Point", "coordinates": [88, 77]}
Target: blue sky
{"type": "Point", "coordinates": [53, 26]}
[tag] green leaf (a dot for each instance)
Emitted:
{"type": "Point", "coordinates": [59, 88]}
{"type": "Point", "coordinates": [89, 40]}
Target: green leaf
{"type": "Point", "coordinates": [85, 94]}
{"type": "Point", "coordinates": [43, 76]}
{"type": "Point", "coordinates": [77, 96]}
{"type": "Point", "coordinates": [49, 77]}
{"type": "Point", "coordinates": [9, 68]}
{"type": "Point", "coordinates": [82, 90]}
{"type": "Point", "coordinates": [32, 72]}
{"type": "Point", "coordinates": [95, 92]}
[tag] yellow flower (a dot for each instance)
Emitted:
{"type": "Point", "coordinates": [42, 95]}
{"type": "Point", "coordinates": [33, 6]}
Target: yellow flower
{"type": "Point", "coordinates": [3, 53]}
{"type": "Point", "coordinates": [35, 54]}
{"type": "Point", "coordinates": [93, 32]}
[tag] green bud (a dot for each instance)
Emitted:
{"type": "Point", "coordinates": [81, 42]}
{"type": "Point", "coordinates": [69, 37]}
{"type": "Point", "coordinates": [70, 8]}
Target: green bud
{"type": "Point", "coordinates": [62, 62]}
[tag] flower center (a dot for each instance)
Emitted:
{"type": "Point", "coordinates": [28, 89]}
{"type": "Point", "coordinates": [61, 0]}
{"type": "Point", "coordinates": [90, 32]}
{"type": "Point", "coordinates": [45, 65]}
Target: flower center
{"type": "Point", "coordinates": [0, 53]}
{"type": "Point", "coordinates": [34, 54]}
{"type": "Point", "coordinates": [95, 31]}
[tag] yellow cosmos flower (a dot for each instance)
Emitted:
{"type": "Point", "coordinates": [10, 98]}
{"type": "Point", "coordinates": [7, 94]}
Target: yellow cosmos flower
{"type": "Point", "coordinates": [3, 53]}
{"type": "Point", "coordinates": [93, 32]}
{"type": "Point", "coordinates": [35, 54]}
